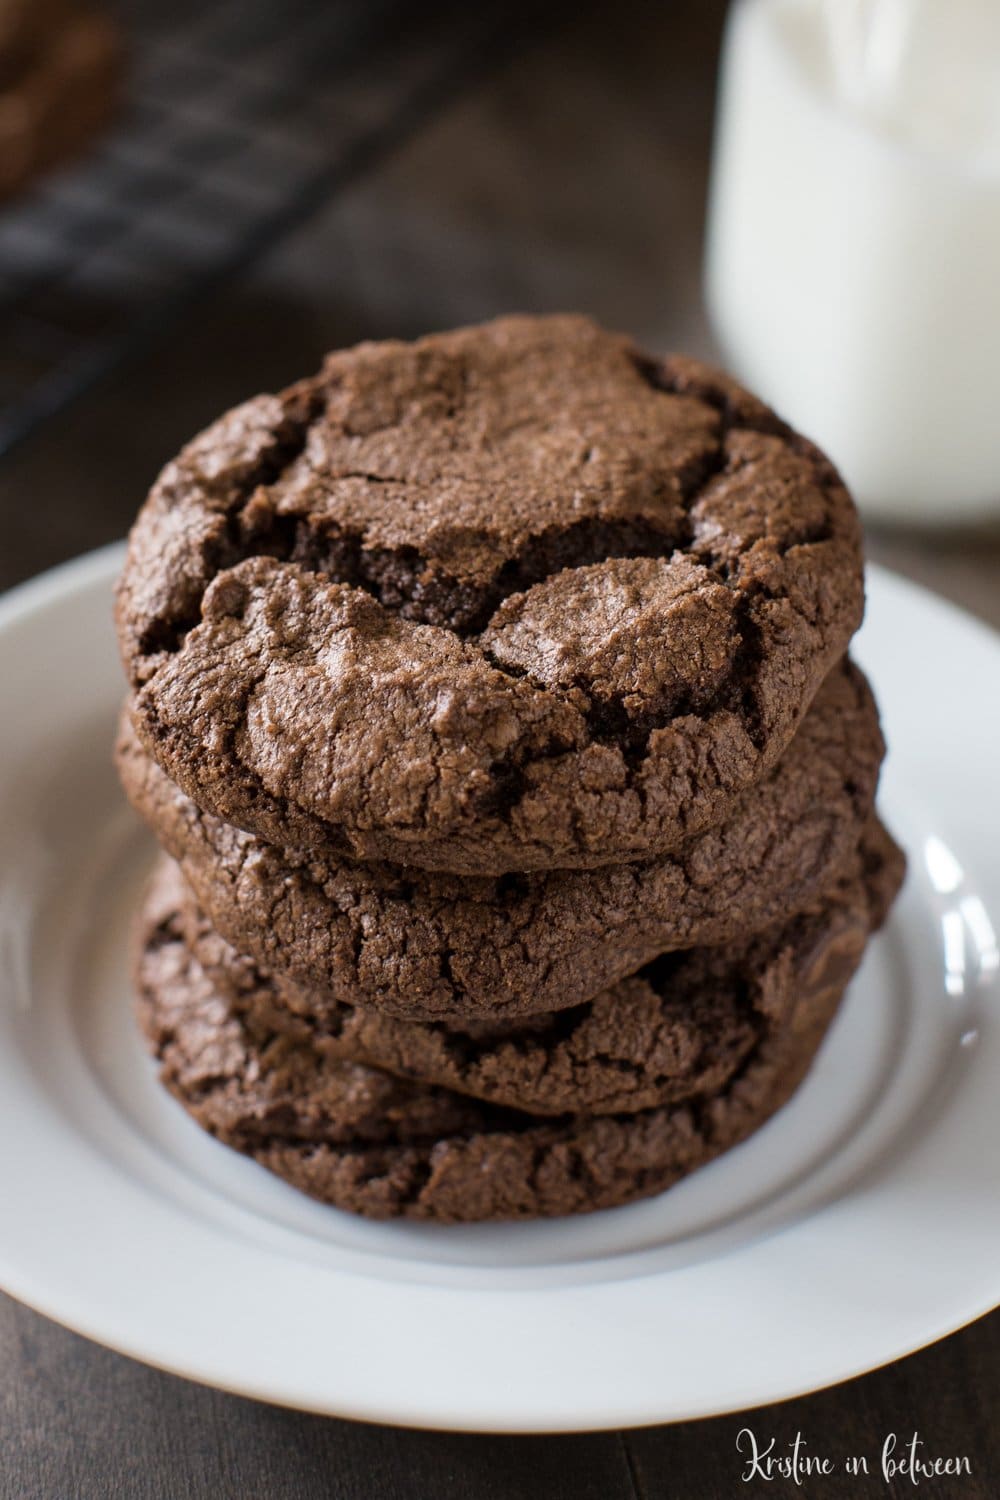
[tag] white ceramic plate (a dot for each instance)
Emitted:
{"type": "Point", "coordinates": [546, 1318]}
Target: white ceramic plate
{"type": "Point", "coordinates": [861, 1223]}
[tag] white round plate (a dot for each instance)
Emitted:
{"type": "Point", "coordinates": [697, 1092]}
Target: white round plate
{"type": "Point", "coordinates": [861, 1223]}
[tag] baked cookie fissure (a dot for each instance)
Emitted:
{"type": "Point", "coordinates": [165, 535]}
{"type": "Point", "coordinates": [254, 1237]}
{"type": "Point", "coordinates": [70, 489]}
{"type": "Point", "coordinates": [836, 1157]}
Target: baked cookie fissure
{"type": "Point", "coordinates": [427, 946]}
{"type": "Point", "coordinates": [681, 1027]}
{"type": "Point", "coordinates": [359, 1139]}
{"type": "Point", "coordinates": [516, 597]}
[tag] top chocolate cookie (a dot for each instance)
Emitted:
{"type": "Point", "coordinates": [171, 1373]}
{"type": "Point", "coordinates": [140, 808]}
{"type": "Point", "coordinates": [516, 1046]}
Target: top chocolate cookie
{"type": "Point", "coordinates": [514, 597]}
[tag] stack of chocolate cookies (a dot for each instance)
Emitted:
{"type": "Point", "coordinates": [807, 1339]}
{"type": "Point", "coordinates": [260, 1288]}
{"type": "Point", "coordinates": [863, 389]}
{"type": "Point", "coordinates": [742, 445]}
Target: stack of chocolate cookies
{"type": "Point", "coordinates": [490, 701]}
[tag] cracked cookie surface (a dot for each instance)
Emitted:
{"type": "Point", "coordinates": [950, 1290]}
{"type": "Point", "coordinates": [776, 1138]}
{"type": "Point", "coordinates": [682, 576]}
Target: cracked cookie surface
{"type": "Point", "coordinates": [514, 597]}
{"type": "Point", "coordinates": [428, 946]}
{"type": "Point", "coordinates": [681, 1027]}
{"type": "Point", "coordinates": [358, 1138]}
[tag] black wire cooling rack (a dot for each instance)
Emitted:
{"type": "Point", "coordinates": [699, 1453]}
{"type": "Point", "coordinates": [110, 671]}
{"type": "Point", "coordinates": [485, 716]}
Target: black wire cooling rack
{"type": "Point", "coordinates": [242, 117]}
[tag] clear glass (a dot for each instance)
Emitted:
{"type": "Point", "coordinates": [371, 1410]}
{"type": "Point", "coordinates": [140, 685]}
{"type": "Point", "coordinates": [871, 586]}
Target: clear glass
{"type": "Point", "coordinates": [853, 263]}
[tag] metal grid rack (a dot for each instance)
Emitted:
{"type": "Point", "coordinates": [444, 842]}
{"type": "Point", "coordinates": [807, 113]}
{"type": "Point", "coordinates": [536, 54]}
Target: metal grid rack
{"type": "Point", "coordinates": [242, 118]}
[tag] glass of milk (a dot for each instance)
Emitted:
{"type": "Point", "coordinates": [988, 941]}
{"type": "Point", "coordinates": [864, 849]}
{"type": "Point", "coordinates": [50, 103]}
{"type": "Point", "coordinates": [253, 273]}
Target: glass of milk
{"type": "Point", "coordinates": [853, 264]}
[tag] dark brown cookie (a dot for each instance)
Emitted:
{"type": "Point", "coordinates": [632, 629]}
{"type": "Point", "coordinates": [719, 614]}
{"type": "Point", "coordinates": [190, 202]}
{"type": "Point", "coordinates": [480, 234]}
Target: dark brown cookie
{"type": "Point", "coordinates": [359, 1139]}
{"type": "Point", "coordinates": [60, 81]}
{"type": "Point", "coordinates": [678, 1029]}
{"type": "Point", "coordinates": [516, 597]}
{"type": "Point", "coordinates": [427, 946]}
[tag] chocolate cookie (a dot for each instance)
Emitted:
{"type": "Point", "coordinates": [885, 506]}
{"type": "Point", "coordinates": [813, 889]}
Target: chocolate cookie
{"type": "Point", "coordinates": [60, 81]}
{"type": "Point", "coordinates": [516, 597]}
{"type": "Point", "coordinates": [678, 1029]}
{"type": "Point", "coordinates": [359, 1139]}
{"type": "Point", "coordinates": [427, 946]}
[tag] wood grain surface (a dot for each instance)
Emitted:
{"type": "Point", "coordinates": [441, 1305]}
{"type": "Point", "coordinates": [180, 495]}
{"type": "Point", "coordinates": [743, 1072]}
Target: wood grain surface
{"type": "Point", "coordinates": [575, 178]}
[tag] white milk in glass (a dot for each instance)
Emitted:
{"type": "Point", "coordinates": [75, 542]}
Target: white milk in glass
{"type": "Point", "coordinates": [853, 270]}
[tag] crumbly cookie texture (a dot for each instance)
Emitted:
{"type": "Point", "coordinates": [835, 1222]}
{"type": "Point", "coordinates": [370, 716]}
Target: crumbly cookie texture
{"type": "Point", "coordinates": [515, 597]}
{"type": "Point", "coordinates": [361, 1139]}
{"type": "Point", "coordinates": [426, 946]}
{"type": "Point", "coordinates": [680, 1028]}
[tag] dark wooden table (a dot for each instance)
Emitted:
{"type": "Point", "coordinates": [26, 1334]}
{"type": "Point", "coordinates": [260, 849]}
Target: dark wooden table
{"type": "Point", "coordinates": [574, 178]}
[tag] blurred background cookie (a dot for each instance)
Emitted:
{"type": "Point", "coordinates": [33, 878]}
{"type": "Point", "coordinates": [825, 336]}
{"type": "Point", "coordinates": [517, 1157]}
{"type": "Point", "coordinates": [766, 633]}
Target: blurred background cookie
{"type": "Point", "coordinates": [60, 82]}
